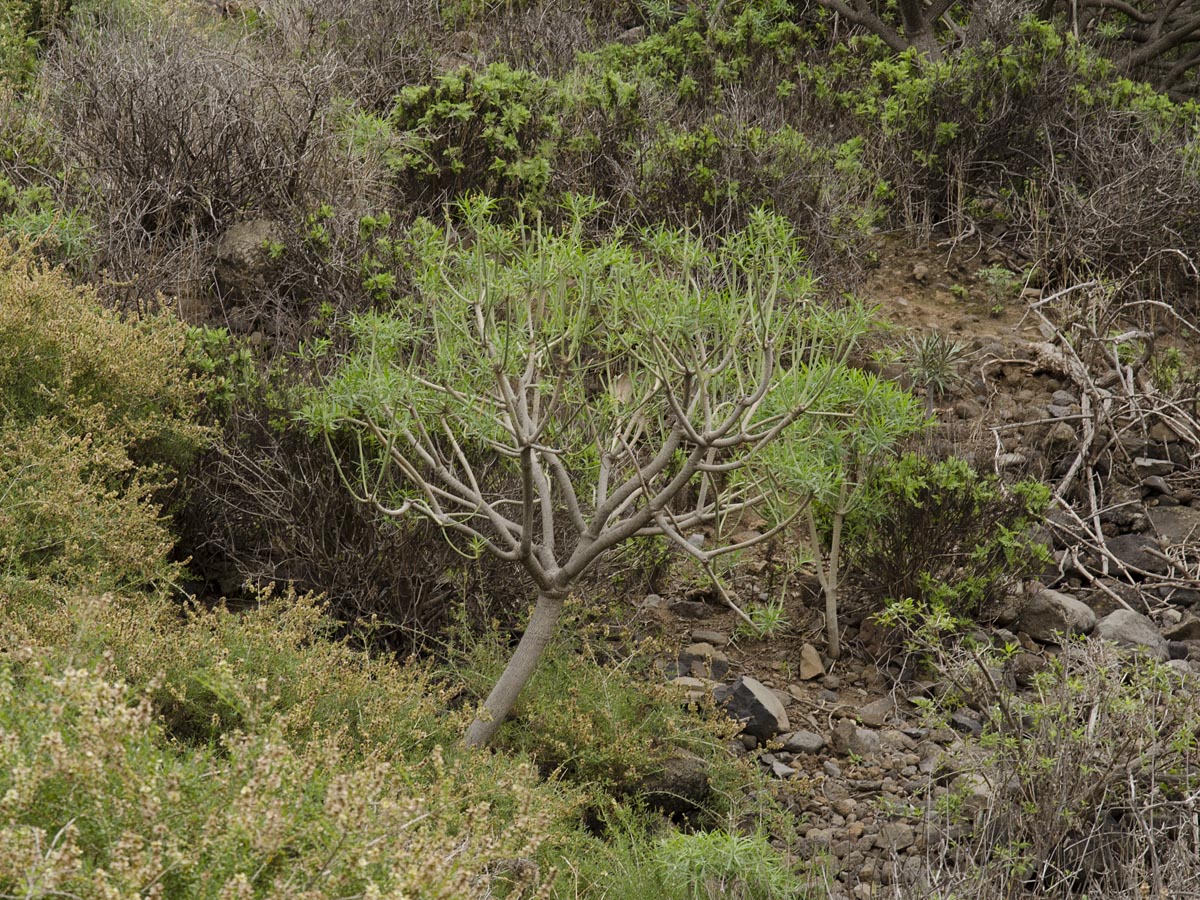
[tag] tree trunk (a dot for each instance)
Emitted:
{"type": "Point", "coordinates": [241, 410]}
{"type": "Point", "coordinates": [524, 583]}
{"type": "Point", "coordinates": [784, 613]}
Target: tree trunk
{"type": "Point", "coordinates": [524, 660]}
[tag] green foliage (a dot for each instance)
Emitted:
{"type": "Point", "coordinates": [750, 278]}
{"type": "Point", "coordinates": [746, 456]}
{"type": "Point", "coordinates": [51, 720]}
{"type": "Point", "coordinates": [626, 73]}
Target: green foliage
{"type": "Point", "coordinates": [610, 310]}
{"type": "Point", "coordinates": [97, 413]}
{"type": "Point", "coordinates": [933, 360]}
{"type": "Point", "coordinates": [67, 357]}
{"type": "Point", "coordinates": [719, 864]}
{"type": "Point", "coordinates": [493, 131]}
{"type": "Point", "coordinates": [29, 215]}
{"type": "Point", "coordinates": [767, 620]}
{"type": "Point", "coordinates": [329, 783]}
{"type": "Point", "coordinates": [598, 718]}
{"type": "Point", "coordinates": [945, 536]}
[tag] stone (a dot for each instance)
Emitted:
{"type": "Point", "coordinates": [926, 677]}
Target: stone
{"type": "Point", "coordinates": [1161, 433]}
{"type": "Point", "coordinates": [751, 702]}
{"type": "Point", "coordinates": [874, 714]}
{"type": "Point", "coordinates": [690, 609]}
{"type": "Point", "coordinates": [681, 787]}
{"type": "Point", "coordinates": [849, 738]}
{"type": "Point", "coordinates": [1186, 629]}
{"type": "Point", "coordinates": [702, 660]}
{"type": "Point", "coordinates": [920, 272]}
{"type": "Point", "coordinates": [803, 742]}
{"type": "Point", "coordinates": [1063, 398]}
{"type": "Point", "coordinates": [810, 663]}
{"type": "Point", "coordinates": [1156, 484]}
{"type": "Point", "coordinates": [966, 724]}
{"type": "Point", "coordinates": [1131, 629]}
{"type": "Point", "coordinates": [244, 265]}
{"type": "Point", "coordinates": [895, 836]}
{"type": "Point", "coordinates": [1050, 614]}
{"type": "Point", "coordinates": [782, 770]}
{"type": "Point", "coordinates": [1176, 524]}
{"type": "Point", "coordinates": [707, 636]}
{"type": "Point", "coordinates": [1061, 435]}
{"type": "Point", "coordinates": [1152, 466]}
{"type": "Point", "coordinates": [1139, 551]}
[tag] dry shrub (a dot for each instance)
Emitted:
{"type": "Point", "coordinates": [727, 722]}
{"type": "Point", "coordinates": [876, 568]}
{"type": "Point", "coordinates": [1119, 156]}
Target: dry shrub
{"type": "Point", "coordinates": [1090, 782]}
{"type": "Point", "coordinates": [171, 134]}
{"type": "Point", "coordinates": [372, 48]}
{"type": "Point", "coordinates": [266, 505]}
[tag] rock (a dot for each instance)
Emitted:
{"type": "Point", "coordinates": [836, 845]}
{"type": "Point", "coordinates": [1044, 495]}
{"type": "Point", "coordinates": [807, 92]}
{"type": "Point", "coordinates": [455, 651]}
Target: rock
{"type": "Point", "coordinates": [244, 264]}
{"type": "Point", "coordinates": [920, 272]}
{"type": "Point", "coordinates": [1161, 433]}
{"type": "Point", "coordinates": [1130, 629]}
{"type": "Point", "coordinates": [703, 661]}
{"type": "Point", "coordinates": [1060, 412]}
{"type": "Point", "coordinates": [1150, 466]}
{"type": "Point", "coordinates": [690, 609]}
{"type": "Point", "coordinates": [810, 663]}
{"type": "Point", "coordinates": [1135, 550]}
{"type": "Point", "coordinates": [849, 738]}
{"type": "Point", "coordinates": [707, 636]}
{"type": "Point", "coordinates": [1156, 484]}
{"type": "Point", "coordinates": [681, 787]}
{"type": "Point", "coordinates": [1050, 614]}
{"type": "Point", "coordinates": [1061, 435]}
{"type": "Point", "coordinates": [750, 701]}
{"type": "Point", "coordinates": [968, 409]}
{"type": "Point", "coordinates": [653, 601]}
{"type": "Point", "coordinates": [895, 836]}
{"type": "Point", "coordinates": [1063, 398]}
{"type": "Point", "coordinates": [1176, 524]}
{"type": "Point", "coordinates": [874, 714]}
{"type": "Point", "coordinates": [1011, 460]}
{"type": "Point", "coordinates": [966, 724]}
{"type": "Point", "coordinates": [1187, 629]}
{"type": "Point", "coordinates": [803, 742]}
{"type": "Point", "coordinates": [1178, 649]}
{"type": "Point", "coordinates": [782, 770]}
{"type": "Point", "coordinates": [831, 769]}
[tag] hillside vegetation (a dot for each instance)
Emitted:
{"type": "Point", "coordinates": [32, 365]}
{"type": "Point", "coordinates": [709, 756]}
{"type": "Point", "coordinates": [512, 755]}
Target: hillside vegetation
{"type": "Point", "coordinates": [320, 323]}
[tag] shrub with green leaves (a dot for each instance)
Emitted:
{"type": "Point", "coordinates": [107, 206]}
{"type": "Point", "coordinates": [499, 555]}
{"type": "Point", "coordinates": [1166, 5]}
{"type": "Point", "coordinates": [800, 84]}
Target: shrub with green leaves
{"type": "Point", "coordinates": [98, 412]}
{"type": "Point", "coordinates": [944, 535]}
{"type": "Point", "coordinates": [548, 397]}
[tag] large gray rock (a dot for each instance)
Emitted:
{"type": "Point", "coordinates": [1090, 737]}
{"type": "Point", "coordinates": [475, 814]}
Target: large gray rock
{"type": "Point", "coordinates": [1051, 614]}
{"type": "Point", "coordinates": [1130, 629]}
{"type": "Point", "coordinates": [803, 742]}
{"type": "Point", "coordinates": [753, 703]}
{"type": "Point", "coordinates": [1176, 524]}
{"type": "Point", "coordinates": [1137, 550]}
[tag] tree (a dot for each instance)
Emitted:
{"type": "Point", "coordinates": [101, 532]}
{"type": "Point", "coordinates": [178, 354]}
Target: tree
{"type": "Point", "coordinates": [543, 398]}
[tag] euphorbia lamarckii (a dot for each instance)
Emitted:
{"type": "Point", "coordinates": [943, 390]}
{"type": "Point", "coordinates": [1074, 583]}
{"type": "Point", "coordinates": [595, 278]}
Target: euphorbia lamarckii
{"type": "Point", "coordinates": [543, 397]}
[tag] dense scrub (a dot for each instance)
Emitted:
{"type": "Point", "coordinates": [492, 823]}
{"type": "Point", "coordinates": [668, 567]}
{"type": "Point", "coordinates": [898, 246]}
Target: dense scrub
{"type": "Point", "coordinates": [237, 184]}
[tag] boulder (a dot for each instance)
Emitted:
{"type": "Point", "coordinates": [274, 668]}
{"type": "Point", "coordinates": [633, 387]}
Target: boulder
{"type": "Point", "coordinates": [1051, 614]}
{"type": "Point", "coordinates": [680, 787]}
{"type": "Point", "coordinates": [1131, 629]}
{"type": "Point", "coordinates": [1176, 524]}
{"type": "Point", "coordinates": [754, 704]}
{"type": "Point", "coordinates": [245, 263]}
{"type": "Point", "coordinates": [1139, 551]}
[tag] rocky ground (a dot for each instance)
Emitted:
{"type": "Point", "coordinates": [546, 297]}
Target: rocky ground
{"type": "Point", "coordinates": [850, 748]}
